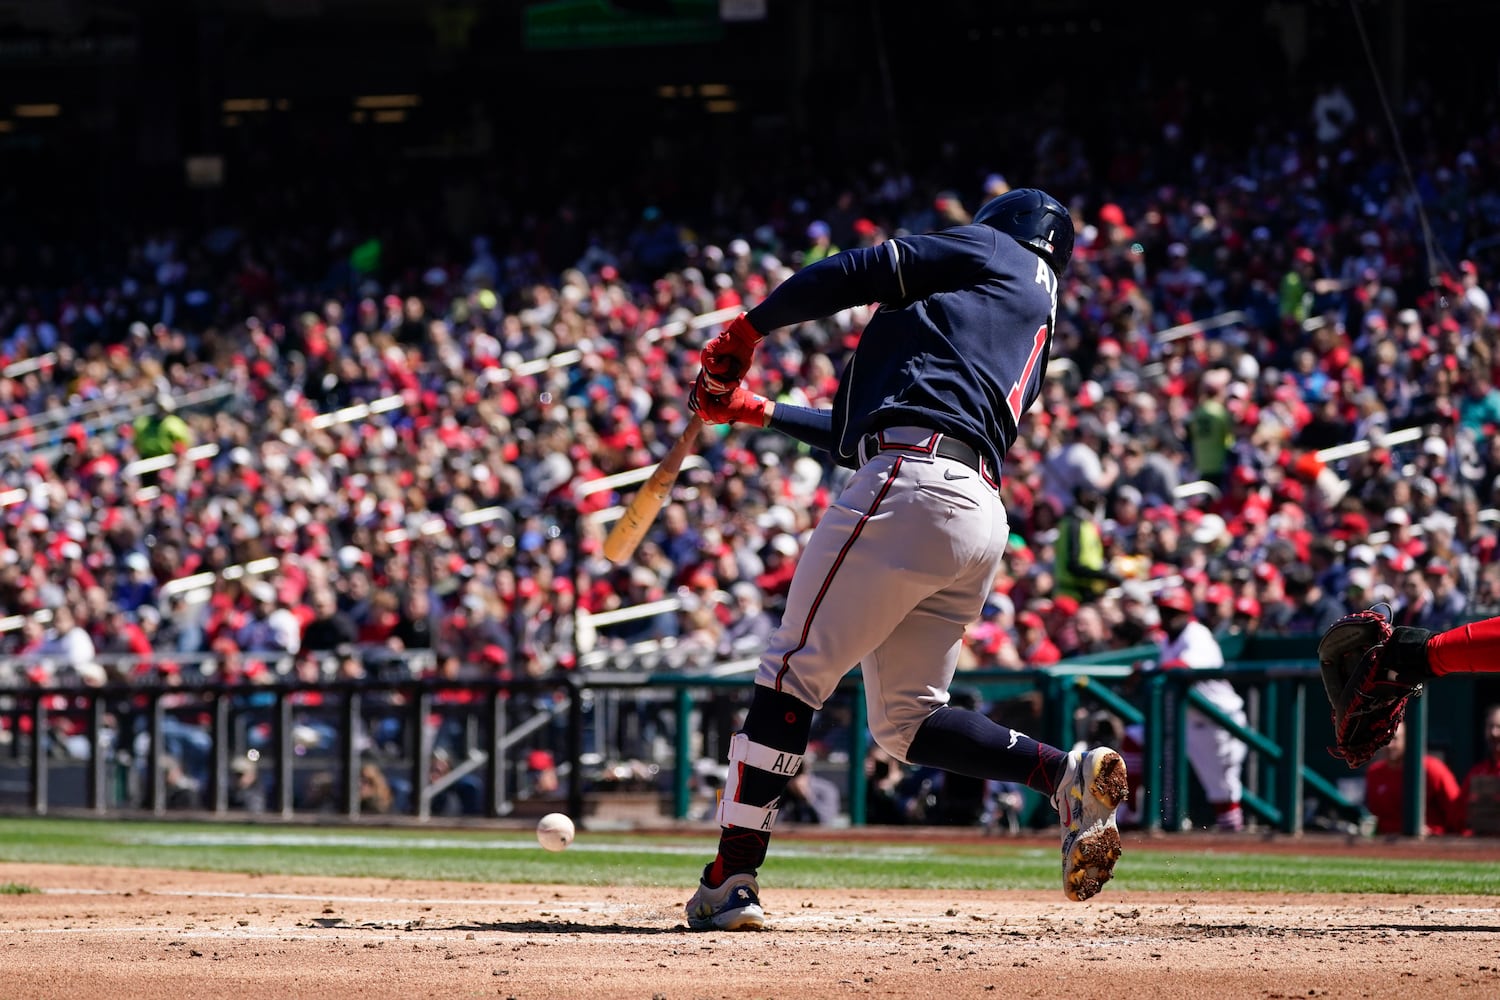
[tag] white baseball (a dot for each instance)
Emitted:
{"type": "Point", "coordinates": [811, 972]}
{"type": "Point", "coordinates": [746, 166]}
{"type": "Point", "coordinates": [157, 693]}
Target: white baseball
{"type": "Point", "coordinates": [554, 832]}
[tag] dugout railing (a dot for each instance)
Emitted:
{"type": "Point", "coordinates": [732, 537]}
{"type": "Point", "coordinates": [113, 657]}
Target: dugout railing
{"type": "Point", "coordinates": [495, 723]}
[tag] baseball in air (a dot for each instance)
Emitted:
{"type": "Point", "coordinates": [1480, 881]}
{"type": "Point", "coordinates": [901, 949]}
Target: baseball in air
{"type": "Point", "coordinates": [555, 832]}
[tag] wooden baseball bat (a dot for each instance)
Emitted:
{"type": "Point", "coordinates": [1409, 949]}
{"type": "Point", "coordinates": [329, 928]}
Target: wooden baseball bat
{"type": "Point", "coordinates": [632, 526]}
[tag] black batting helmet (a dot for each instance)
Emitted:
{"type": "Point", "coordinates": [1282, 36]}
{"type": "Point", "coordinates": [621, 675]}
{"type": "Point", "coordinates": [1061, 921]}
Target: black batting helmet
{"type": "Point", "coordinates": [1035, 219]}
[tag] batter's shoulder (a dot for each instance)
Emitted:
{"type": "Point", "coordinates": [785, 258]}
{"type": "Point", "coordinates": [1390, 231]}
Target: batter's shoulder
{"type": "Point", "coordinates": [962, 248]}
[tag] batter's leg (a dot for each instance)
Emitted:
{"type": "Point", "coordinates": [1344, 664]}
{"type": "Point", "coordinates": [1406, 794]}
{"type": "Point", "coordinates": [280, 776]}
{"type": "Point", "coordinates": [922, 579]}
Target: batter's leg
{"type": "Point", "coordinates": [778, 722]}
{"type": "Point", "coordinates": [906, 686]}
{"type": "Point", "coordinates": [1085, 788]}
{"type": "Point", "coordinates": [843, 602]}
{"type": "Point", "coordinates": [763, 757]}
{"type": "Point", "coordinates": [971, 743]}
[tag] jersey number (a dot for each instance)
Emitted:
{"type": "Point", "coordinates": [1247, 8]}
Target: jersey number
{"type": "Point", "coordinates": [1018, 390]}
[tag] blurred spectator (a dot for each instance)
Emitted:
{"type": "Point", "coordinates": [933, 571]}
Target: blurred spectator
{"type": "Point", "coordinates": [330, 628]}
{"type": "Point", "coordinates": [750, 626]}
{"type": "Point", "coordinates": [162, 432]}
{"type": "Point", "coordinates": [381, 618]}
{"type": "Point", "coordinates": [1416, 605]}
{"type": "Point", "coordinates": [1081, 567]}
{"type": "Point", "coordinates": [1448, 602]}
{"type": "Point", "coordinates": [182, 790]}
{"type": "Point", "coordinates": [270, 627]}
{"type": "Point", "coordinates": [1384, 795]}
{"type": "Point", "coordinates": [245, 788]}
{"type": "Point", "coordinates": [702, 633]}
{"type": "Point", "coordinates": [680, 542]}
{"type": "Point", "coordinates": [1332, 113]}
{"type": "Point", "coordinates": [350, 666]}
{"type": "Point", "coordinates": [1080, 462]}
{"type": "Point", "coordinates": [641, 586]}
{"type": "Point", "coordinates": [120, 634]}
{"type": "Point", "coordinates": [1307, 609]}
{"type": "Point", "coordinates": [1212, 427]}
{"type": "Point", "coordinates": [1034, 647]}
{"type": "Point", "coordinates": [414, 627]}
{"type": "Point", "coordinates": [1246, 618]}
{"type": "Point", "coordinates": [780, 561]}
{"type": "Point", "coordinates": [137, 585]}
{"type": "Point", "coordinates": [375, 797]}
{"type": "Point", "coordinates": [70, 650]}
{"type": "Point", "coordinates": [541, 774]}
{"type": "Point", "coordinates": [885, 781]}
{"type": "Point", "coordinates": [810, 797]}
{"type": "Point", "coordinates": [1090, 634]}
{"type": "Point", "coordinates": [1147, 464]}
{"type": "Point", "coordinates": [990, 643]}
{"type": "Point", "coordinates": [820, 243]}
{"type": "Point", "coordinates": [1479, 797]}
{"type": "Point", "coordinates": [1479, 406]}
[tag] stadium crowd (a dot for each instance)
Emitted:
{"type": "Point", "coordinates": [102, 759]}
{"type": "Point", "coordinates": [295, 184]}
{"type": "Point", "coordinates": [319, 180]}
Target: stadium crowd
{"type": "Point", "coordinates": [370, 421]}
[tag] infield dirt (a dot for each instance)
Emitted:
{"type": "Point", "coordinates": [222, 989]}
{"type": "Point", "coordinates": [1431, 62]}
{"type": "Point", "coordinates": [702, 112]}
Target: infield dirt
{"type": "Point", "coordinates": [134, 934]}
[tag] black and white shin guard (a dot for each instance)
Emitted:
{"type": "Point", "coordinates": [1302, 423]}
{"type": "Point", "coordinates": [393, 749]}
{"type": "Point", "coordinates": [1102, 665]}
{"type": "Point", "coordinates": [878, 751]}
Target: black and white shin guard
{"type": "Point", "coordinates": [763, 757]}
{"type": "Point", "coordinates": [739, 809]}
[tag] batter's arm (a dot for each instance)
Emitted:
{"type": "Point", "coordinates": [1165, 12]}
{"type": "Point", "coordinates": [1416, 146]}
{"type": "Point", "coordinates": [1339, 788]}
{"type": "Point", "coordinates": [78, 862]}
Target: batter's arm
{"type": "Point", "coordinates": [898, 270]}
{"type": "Point", "coordinates": [810, 426]}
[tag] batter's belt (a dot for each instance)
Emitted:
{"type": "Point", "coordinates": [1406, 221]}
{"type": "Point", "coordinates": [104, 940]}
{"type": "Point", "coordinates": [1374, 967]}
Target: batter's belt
{"type": "Point", "coordinates": [935, 444]}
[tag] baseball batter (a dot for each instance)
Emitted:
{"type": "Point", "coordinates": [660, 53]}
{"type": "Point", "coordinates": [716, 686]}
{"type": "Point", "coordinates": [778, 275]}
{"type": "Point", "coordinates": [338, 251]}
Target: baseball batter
{"type": "Point", "coordinates": [904, 559]}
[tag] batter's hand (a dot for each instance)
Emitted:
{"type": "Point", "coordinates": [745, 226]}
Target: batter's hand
{"type": "Point", "coordinates": [739, 406]}
{"type": "Point", "coordinates": [727, 357]}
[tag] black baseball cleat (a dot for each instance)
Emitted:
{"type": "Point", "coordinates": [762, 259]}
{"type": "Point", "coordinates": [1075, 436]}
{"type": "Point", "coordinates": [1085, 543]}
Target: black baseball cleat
{"type": "Point", "coordinates": [1092, 788]}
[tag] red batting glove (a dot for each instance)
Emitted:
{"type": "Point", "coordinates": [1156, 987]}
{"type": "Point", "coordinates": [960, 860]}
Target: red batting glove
{"type": "Point", "coordinates": [738, 406]}
{"type": "Point", "coordinates": [727, 357]}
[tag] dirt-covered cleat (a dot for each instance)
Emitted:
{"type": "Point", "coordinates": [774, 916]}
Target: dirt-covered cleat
{"type": "Point", "coordinates": [1092, 788]}
{"type": "Point", "coordinates": [733, 906]}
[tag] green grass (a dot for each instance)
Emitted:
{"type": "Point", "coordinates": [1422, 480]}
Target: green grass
{"type": "Point", "coordinates": [607, 858]}
{"type": "Point", "coordinates": [16, 889]}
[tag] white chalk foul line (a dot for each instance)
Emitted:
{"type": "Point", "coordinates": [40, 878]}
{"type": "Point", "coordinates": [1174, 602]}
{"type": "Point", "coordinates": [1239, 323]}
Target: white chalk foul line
{"type": "Point", "coordinates": [238, 933]}
{"type": "Point", "coordinates": [227, 838]}
{"type": "Point", "coordinates": [301, 897]}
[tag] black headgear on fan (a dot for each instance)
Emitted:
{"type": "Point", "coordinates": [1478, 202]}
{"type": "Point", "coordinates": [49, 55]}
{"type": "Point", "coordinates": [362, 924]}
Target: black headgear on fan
{"type": "Point", "coordinates": [1035, 219]}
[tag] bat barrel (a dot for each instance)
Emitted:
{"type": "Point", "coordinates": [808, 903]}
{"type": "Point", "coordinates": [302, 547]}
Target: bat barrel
{"type": "Point", "coordinates": [628, 532]}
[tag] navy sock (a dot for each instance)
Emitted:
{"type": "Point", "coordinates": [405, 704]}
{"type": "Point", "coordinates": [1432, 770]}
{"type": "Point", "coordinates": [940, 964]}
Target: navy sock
{"type": "Point", "coordinates": [967, 742]}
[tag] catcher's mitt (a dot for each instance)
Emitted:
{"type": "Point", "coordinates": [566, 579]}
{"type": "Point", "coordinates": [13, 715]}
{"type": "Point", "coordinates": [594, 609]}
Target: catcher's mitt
{"type": "Point", "coordinates": [1368, 696]}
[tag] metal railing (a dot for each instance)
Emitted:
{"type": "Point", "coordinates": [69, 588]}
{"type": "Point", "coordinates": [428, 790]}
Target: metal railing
{"type": "Point", "coordinates": [1279, 779]}
{"type": "Point", "coordinates": [110, 719]}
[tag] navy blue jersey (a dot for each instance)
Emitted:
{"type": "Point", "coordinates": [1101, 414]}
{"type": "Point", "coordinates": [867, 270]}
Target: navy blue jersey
{"type": "Point", "coordinates": [958, 345]}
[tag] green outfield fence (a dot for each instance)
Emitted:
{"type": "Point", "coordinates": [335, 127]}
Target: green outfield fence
{"type": "Point", "coordinates": [113, 732]}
